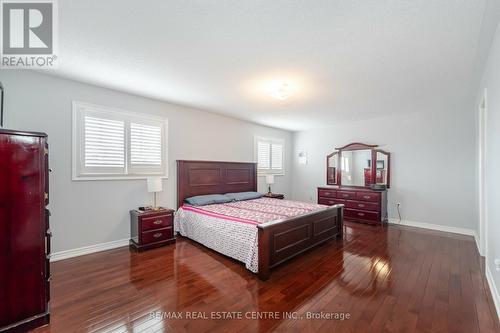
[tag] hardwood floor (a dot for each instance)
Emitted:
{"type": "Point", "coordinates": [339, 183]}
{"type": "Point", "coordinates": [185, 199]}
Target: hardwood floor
{"type": "Point", "coordinates": [393, 279]}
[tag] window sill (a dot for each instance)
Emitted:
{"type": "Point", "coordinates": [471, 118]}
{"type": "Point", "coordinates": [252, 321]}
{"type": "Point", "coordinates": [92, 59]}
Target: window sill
{"type": "Point", "coordinates": [131, 177]}
{"type": "Point", "coordinates": [262, 174]}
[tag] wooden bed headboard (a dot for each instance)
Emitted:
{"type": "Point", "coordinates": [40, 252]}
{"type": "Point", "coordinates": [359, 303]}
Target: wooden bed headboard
{"type": "Point", "coordinates": [210, 177]}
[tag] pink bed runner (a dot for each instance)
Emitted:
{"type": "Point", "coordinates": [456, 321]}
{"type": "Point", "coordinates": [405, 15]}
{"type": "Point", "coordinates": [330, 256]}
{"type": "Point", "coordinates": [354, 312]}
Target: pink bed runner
{"type": "Point", "coordinates": [256, 211]}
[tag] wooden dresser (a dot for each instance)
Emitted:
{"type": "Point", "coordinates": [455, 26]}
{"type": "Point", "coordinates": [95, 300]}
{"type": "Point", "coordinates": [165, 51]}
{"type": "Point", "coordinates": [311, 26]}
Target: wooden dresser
{"type": "Point", "coordinates": [153, 228]}
{"type": "Point", "coordinates": [361, 204]}
{"type": "Point", "coordinates": [24, 231]}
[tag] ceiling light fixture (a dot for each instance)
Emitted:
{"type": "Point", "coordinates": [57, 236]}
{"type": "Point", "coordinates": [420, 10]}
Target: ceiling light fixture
{"type": "Point", "coordinates": [281, 90]}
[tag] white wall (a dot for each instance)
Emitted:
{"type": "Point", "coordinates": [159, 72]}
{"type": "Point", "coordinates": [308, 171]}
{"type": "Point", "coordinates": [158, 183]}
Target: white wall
{"type": "Point", "coordinates": [432, 163]}
{"type": "Point", "coordinates": [491, 82]}
{"type": "Point", "coordinates": [93, 212]}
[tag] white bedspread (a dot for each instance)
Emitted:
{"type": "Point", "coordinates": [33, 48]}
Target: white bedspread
{"type": "Point", "coordinates": [236, 240]}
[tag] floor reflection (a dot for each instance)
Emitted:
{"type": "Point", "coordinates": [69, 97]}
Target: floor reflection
{"type": "Point", "coordinates": [371, 265]}
{"type": "Point", "coordinates": [364, 276]}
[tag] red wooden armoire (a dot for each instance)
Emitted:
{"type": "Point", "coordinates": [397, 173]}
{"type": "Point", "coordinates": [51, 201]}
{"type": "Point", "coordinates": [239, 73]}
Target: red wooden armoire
{"type": "Point", "coordinates": [24, 231]}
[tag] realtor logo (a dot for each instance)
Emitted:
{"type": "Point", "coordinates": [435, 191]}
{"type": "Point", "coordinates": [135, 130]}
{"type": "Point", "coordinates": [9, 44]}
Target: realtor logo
{"type": "Point", "coordinates": [28, 34]}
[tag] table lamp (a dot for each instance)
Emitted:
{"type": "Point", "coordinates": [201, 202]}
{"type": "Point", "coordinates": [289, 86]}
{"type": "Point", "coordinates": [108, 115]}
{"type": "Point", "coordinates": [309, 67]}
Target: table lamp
{"type": "Point", "coordinates": [155, 185]}
{"type": "Point", "coordinates": [269, 181]}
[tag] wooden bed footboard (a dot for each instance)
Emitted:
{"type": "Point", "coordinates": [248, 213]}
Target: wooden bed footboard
{"type": "Point", "coordinates": [283, 240]}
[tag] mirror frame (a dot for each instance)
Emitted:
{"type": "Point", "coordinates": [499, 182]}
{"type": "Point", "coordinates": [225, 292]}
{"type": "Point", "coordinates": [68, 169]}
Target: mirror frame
{"type": "Point", "coordinates": [359, 146]}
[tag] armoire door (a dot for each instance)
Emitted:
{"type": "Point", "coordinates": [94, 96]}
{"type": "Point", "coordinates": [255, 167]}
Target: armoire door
{"type": "Point", "coordinates": [22, 228]}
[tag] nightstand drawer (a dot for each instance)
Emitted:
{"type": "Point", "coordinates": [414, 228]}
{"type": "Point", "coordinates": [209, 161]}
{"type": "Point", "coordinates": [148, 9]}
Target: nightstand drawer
{"type": "Point", "coordinates": [157, 235]}
{"type": "Point", "coordinates": [156, 222]}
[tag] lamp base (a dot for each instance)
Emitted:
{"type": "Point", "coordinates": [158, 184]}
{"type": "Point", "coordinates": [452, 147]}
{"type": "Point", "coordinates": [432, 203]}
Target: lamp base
{"type": "Point", "coordinates": [155, 207]}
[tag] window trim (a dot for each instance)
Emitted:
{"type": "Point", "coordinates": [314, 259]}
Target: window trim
{"type": "Point", "coordinates": [127, 116]}
{"type": "Point", "coordinates": [264, 172]}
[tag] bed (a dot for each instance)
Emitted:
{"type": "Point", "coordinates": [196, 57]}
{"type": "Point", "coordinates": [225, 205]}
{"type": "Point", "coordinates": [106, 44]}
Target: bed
{"type": "Point", "coordinates": [262, 232]}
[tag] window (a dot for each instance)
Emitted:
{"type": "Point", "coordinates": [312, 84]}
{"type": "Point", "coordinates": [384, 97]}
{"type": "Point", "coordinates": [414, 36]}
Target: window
{"type": "Point", "coordinates": [345, 164]}
{"type": "Point", "coordinates": [115, 144]}
{"type": "Point", "coordinates": [269, 154]}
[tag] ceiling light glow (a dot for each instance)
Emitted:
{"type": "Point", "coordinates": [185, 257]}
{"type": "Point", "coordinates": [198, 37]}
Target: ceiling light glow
{"type": "Point", "coordinates": [281, 90]}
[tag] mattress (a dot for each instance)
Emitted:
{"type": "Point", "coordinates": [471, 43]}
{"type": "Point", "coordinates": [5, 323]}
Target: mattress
{"type": "Point", "coordinates": [231, 228]}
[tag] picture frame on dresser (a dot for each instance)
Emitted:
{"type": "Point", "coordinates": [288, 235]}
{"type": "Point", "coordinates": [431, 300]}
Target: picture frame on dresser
{"type": "Point", "coordinates": [358, 176]}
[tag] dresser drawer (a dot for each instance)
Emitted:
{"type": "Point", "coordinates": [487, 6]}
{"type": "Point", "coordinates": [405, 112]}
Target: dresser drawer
{"type": "Point", "coordinates": [346, 195]}
{"type": "Point", "coordinates": [327, 193]}
{"type": "Point", "coordinates": [156, 222]}
{"type": "Point", "coordinates": [330, 201]}
{"type": "Point", "coordinates": [362, 215]}
{"type": "Point", "coordinates": [368, 196]}
{"type": "Point", "coordinates": [363, 205]}
{"type": "Point", "coordinates": [157, 235]}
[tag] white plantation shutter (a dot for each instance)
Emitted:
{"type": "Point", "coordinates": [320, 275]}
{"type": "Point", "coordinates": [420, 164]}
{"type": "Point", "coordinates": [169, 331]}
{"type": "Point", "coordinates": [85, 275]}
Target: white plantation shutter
{"type": "Point", "coordinates": [263, 155]}
{"type": "Point", "coordinates": [145, 144]}
{"type": "Point", "coordinates": [269, 155]}
{"type": "Point", "coordinates": [104, 144]}
{"type": "Point", "coordinates": [115, 144]}
{"type": "Point", "coordinates": [276, 156]}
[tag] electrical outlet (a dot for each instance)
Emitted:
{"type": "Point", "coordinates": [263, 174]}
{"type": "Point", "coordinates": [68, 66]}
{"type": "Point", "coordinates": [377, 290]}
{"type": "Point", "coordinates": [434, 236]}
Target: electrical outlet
{"type": "Point", "coordinates": [497, 264]}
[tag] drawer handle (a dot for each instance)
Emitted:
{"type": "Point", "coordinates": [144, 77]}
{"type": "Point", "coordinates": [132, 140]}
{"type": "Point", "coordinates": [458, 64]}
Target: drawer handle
{"type": "Point", "coordinates": [327, 193]}
{"type": "Point", "coordinates": [157, 222]}
{"type": "Point", "coordinates": [345, 195]}
{"type": "Point", "coordinates": [367, 197]}
{"type": "Point", "coordinates": [331, 202]}
{"type": "Point", "coordinates": [157, 235]}
{"type": "Point", "coordinates": [361, 214]}
{"type": "Point", "coordinates": [361, 205]}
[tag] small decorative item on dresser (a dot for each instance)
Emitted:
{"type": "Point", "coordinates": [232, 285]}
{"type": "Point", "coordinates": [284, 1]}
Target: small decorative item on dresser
{"type": "Point", "coordinates": [153, 228]}
{"type": "Point", "coordinates": [269, 182]}
{"type": "Point", "coordinates": [274, 196]}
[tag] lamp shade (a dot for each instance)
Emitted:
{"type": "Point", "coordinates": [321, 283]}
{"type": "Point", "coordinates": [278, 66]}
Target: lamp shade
{"type": "Point", "coordinates": [269, 179]}
{"type": "Point", "coordinates": [155, 184]}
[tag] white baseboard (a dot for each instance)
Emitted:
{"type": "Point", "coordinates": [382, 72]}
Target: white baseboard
{"type": "Point", "coordinates": [56, 256]}
{"type": "Point", "coordinates": [455, 230]}
{"type": "Point", "coordinates": [493, 289]}
{"type": "Point", "coordinates": [476, 238]}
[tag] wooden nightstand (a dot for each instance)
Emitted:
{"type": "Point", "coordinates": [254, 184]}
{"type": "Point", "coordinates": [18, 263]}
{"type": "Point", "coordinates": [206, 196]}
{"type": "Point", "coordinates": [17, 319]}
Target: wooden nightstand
{"type": "Point", "coordinates": [274, 196]}
{"type": "Point", "coordinates": [153, 228]}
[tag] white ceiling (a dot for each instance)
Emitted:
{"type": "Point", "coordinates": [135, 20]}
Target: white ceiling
{"type": "Point", "coordinates": [351, 59]}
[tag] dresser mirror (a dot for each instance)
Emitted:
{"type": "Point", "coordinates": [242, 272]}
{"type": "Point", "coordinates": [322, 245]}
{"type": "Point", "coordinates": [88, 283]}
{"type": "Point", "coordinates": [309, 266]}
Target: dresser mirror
{"type": "Point", "coordinates": [358, 165]}
{"type": "Point", "coordinates": [331, 168]}
{"type": "Point", "coordinates": [382, 175]}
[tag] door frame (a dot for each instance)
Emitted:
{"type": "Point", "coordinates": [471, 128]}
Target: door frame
{"type": "Point", "coordinates": [482, 197]}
